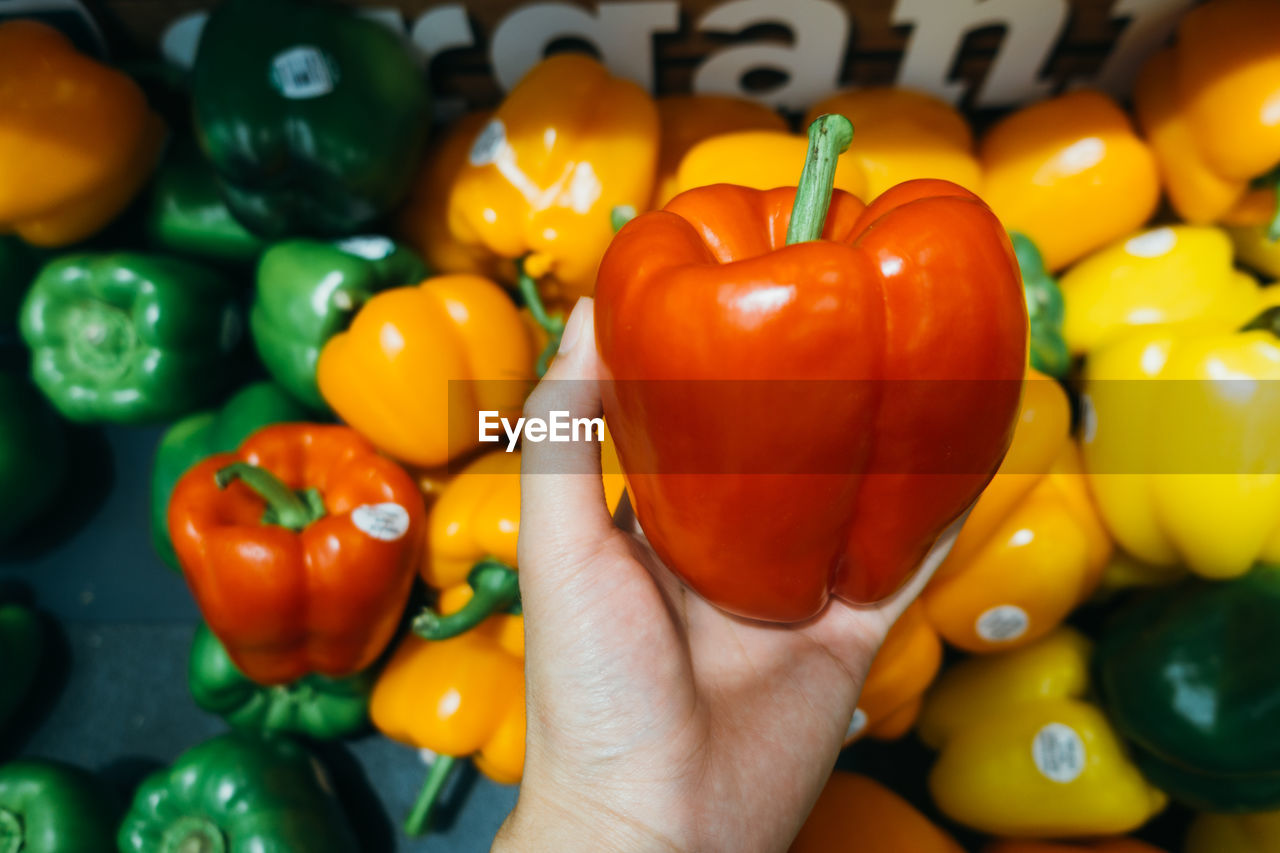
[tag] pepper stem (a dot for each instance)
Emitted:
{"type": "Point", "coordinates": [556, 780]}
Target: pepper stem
{"type": "Point", "coordinates": [419, 819]}
{"type": "Point", "coordinates": [193, 834]}
{"type": "Point", "coordinates": [553, 326]}
{"type": "Point", "coordinates": [495, 588]}
{"type": "Point", "coordinates": [1273, 230]}
{"type": "Point", "coordinates": [1267, 321]}
{"type": "Point", "coordinates": [829, 137]}
{"type": "Point", "coordinates": [11, 840]}
{"type": "Point", "coordinates": [285, 507]}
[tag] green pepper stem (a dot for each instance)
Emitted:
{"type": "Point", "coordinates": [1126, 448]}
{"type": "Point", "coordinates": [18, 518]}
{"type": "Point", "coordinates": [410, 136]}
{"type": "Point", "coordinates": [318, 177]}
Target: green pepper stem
{"type": "Point", "coordinates": [553, 326]}
{"type": "Point", "coordinates": [1273, 230]}
{"type": "Point", "coordinates": [419, 819]}
{"type": "Point", "coordinates": [11, 840]}
{"type": "Point", "coordinates": [193, 834]}
{"type": "Point", "coordinates": [495, 588]}
{"type": "Point", "coordinates": [829, 137]}
{"type": "Point", "coordinates": [284, 506]}
{"type": "Point", "coordinates": [1267, 321]}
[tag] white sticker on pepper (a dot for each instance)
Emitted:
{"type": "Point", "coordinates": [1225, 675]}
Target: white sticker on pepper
{"type": "Point", "coordinates": [1058, 753]}
{"type": "Point", "coordinates": [387, 522]}
{"type": "Point", "coordinates": [1002, 624]}
{"type": "Point", "coordinates": [303, 72]}
{"type": "Point", "coordinates": [489, 142]}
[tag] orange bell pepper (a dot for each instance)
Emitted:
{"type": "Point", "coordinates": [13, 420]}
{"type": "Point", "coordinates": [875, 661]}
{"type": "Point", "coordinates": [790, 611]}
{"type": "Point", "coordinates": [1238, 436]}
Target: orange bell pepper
{"type": "Point", "coordinates": [857, 813]}
{"type": "Point", "coordinates": [1208, 106]}
{"type": "Point", "coordinates": [461, 697]}
{"type": "Point", "coordinates": [902, 670]}
{"type": "Point", "coordinates": [1070, 174]}
{"type": "Point", "coordinates": [77, 139]}
{"type": "Point", "coordinates": [1109, 845]}
{"type": "Point", "coordinates": [308, 572]}
{"type": "Point", "coordinates": [900, 135]}
{"type": "Point", "coordinates": [389, 374]}
{"type": "Point", "coordinates": [760, 160]}
{"type": "Point", "coordinates": [541, 181]}
{"type": "Point", "coordinates": [686, 120]}
{"type": "Point", "coordinates": [1034, 546]}
{"type": "Point", "coordinates": [423, 221]}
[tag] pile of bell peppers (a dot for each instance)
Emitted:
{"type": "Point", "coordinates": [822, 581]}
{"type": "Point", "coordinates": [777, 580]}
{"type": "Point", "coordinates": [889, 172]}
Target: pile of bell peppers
{"type": "Point", "coordinates": [298, 251]}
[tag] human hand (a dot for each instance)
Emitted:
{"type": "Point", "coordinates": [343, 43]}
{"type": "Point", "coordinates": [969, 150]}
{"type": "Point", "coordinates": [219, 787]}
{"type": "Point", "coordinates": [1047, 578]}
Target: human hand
{"type": "Point", "coordinates": [657, 721]}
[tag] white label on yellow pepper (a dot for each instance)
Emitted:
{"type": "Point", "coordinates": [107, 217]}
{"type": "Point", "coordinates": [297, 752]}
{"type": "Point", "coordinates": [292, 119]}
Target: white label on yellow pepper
{"type": "Point", "coordinates": [1058, 753]}
{"type": "Point", "coordinates": [1002, 624]}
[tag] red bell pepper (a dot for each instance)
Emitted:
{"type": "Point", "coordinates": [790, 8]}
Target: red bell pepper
{"type": "Point", "coordinates": [857, 376]}
{"type": "Point", "coordinates": [300, 549]}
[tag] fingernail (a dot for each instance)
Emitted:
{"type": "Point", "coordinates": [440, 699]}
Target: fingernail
{"type": "Point", "coordinates": [573, 328]}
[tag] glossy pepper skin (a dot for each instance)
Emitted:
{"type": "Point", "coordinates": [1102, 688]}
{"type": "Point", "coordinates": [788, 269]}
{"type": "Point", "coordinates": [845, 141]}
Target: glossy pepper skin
{"type": "Point", "coordinates": [1021, 756]}
{"type": "Point", "coordinates": [568, 145]}
{"type": "Point", "coordinates": [316, 584]}
{"type": "Point", "coordinates": [1034, 546]}
{"type": "Point", "coordinates": [905, 666]}
{"type": "Point", "coordinates": [1167, 276]}
{"type": "Point", "coordinates": [1168, 496]}
{"type": "Point", "coordinates": [1208, 107]}
{"type": "Point", "coordinates": [238, 792]}
{"type": "Point", "coordinates": [1070, 174]}
{"type": "Point", "coordinates": [77, 139]}
{"type": "Point", "coordinates": [706, 290]}
{"type": "Point", "coordinates": [389, 375]}
{"type": "Point", "coordinates": [901, 135]}
{"type": "Point", "coordinates": [857, 812]}
{"type": "Point", "coordinates": [188, 216]}
{"type": "Point", "coordinates": [1186, 674]}
{"type": "Point", "coordinates": [33, 455]}
{"type": "Point", "coordinates": [314, 706]}
{"type": "Point", "coordinates": [129, 337]}
{"type": "Point", "coordinates": [761, 160]}
{"type": "Point", "coordinates": [51, 807]}
{"type": "Point", "coordinates": [313, 117]}
{"type": "Point", "coordinates": [21, 649]}
{"type": "Point", "coordinates": [686, 120]}
{"type": "Point", "coordinates": [203, 434]}
{"type": "Point", "coordinates": [1229, 833]}
{"type": "Point", "coordinates": [307, 291]}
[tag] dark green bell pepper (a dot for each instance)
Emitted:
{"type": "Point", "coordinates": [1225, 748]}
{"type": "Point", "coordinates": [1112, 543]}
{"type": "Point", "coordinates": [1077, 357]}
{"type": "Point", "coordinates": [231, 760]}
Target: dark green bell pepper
{"type": "Point", "coordinates": [203, 434]}
{"type": "Point", "coordinates": [50, 807]}
{"type": "Point", "coordinates": [188, 216]}
{"type": "Point", "coordinates": [18, 266]}
{"type": "Point", "coordinates": [33, 455]}
{"type": "Point", "coordinates": [1045, 310]}
{"type": "Point", "coordinates": [308, 291]}
{"type": "Point", "coordinates": [21, 647]}
{"type": "Point", "coordinates": [316, 706]}
{"type": "Point", "coordinates": [129, 337]}
{"type": "Point", "coordinates": [314, 118]}
{"type": "Point", "coordinates": [1188, 674]}
{"type": "Point", "coordinates": [237, 792]}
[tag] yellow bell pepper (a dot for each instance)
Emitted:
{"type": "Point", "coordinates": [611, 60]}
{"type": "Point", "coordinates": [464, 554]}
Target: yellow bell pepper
{"type": "Point", "coordinates": [567, 146]}
{"type": "Point", "coordinates": [1208, 105]}
{"type": "Point", "coordinates": [1187, 470]}
{"type": "Point", "coordinates": [762, 160]}
{"type": "Point", "coordinates": [1109, 845]}
{"type": "Point", "coordinates": [1124, 572]}
{"type": "Point", "coordinates": [1255, 248]}
{"type": "Point", "coordinates": [1033, 548]}
{"type": "Point", "coordinates": [856, 812]}
{"type": "Point", "coordinates": [900, 135]}
{"type": "Point", "coordinates": [77, 139]}
{"type": "Point", "coordinates": [1070, 174]}
{"type": "Point", "coordinates": [902, 670]}
{"type": "Point", "coordinates": [1169, 275]}
{"type": "Point", "coordinates": [1234, 833]}
{"type": "Point", "coordinates": [1020, 755]}
{"type": "Point", "coordinates": [388, 375]}
{"type": "Point", "coordinates": [686, 120]}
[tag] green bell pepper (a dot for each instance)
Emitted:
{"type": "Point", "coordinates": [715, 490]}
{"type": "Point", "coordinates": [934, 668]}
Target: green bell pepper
{"type": "Point", "coordinates": [1045, 309]}
{"type": "Point", "coordinates": [21, 647]}
{"type": "Point", "coordinates": [308, 291]}
{"type": "Point", "coordinates": [314, 118]}
{"type": "Point", "coordinates": [203, 434]}
{"type": "Point", "coordinates": [316, 706]}
{"type": "Point", "coordinates": [51, 807]}
{"type": "Point", "coordinates": [129, 337]}
{"type": "Point", "coordinates": [237, 792]}
{"type": "Point", "coordinates": [1188, 674]}
{"type": "Point", "coordinates": [18, 266]}
{"type": "Point", "coordinates": [187, 215]}
{"type": "Point", "coordinates": [33, 455]}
